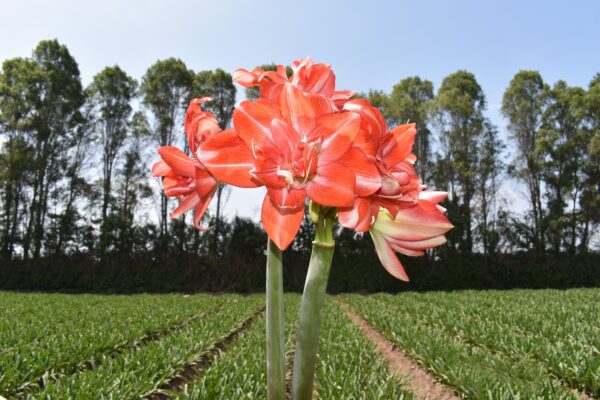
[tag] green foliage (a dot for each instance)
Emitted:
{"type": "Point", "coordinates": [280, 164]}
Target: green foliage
{"type": "Point", "coordinates": [535, 344]}
{"type": "Point", "coordinates": [348, 365]}
{"type": "Point", "coordinates": [477, 353]}
{"type": "Point", "coordinates": [459, 107]}
{"type": "Point", "coordinates": [563, 144]}
{"type": "Point", "coordinates": [411, 101]}
{"type": "Point", "coordinates": [56, 340]}
{"type": "Point", "coordinates": [165, 92]}
{"type": "Point", "coordinates": [219, 86]}
{"type": "Point", "coordinates": [139, 371]}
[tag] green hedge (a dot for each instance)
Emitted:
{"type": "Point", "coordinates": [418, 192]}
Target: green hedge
{"type": "Point", "coordinates": [361, 273]}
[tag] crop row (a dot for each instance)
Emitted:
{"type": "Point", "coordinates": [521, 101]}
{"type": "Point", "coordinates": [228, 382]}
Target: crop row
{"type": "Point", "coordinates": [348, 365]}
{"type": "Point", "coordinates": [570, 314]}
{"type": "Point", "coordinates": [474, 371]}
{"type": "Point", "coordinates": [74, 341]}
{"type": "Point", "coordinates": [240, 373]}
{"type": "Point", "coordinates": [141, 370]}
{"type": "Point", "coordinates": [36, 318]}
{"type": "Point", "coordinates": [574, 362]}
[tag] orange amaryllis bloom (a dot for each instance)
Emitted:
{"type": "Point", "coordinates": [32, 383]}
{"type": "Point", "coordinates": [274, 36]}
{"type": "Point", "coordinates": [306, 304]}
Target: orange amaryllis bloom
{"type": "Point", "coordinates": [399, 215]}
{"type": "Point", "coordinates": [415, 228]}
{"type": "Point", "coordinates": [391, 153]}
{"type": "Point", "coordinates": [307, 76]}
{"type": "Point", "coordinates": [297, 147]}
{"type": "Point", "coordinates": [186, 179]}
{"type": "Point", "coordinates": [300, 139]}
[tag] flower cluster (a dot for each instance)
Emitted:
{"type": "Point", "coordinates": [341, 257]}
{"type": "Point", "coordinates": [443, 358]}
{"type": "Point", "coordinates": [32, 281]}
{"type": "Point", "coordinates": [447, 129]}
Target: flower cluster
{"type": "Point", "coordinates": [303, 139]}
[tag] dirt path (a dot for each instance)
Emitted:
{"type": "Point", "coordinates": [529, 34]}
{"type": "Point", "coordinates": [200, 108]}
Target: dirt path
{"type": "Point", "coordinates": [421, 382]}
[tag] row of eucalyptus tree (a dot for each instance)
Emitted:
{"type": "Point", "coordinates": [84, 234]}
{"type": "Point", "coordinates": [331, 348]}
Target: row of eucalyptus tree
{"type": "Point", "coordinates": [554, 143]}
{"type": "Point", "coordinates": [74, 160]}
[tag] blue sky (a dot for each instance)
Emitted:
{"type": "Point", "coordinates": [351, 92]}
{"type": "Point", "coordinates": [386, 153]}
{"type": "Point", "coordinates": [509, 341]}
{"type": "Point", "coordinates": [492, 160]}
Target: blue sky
{"type": "Point", "coordinates": [371, 44]}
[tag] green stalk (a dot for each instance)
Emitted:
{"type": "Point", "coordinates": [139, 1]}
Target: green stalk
{"type": "Point", "coordinates": [311, 308]}
{"type": "Point", "coordinates": [275, 328]}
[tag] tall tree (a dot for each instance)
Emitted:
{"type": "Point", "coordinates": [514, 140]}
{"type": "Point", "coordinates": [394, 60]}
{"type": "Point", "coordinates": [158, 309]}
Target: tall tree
{"type": "Point", "coordinates": [165, 91]}
{"type": "Point", "coordinates": [54, 117]}
{"type": "Point", "coordinates": [590, 181]}
{"type": "Point", "coordinates": [459, 107]}
{"type": "Point", "coordinates": [489, 174]}
{"type": "Point", "coordinates": [410, 101]}
{"type": "Point", "coordinates": [562, 145]}
{"type": "Point", "coordinates": [131, 188]}
{"type": "Point", "coordinates": [524, 103]}
{"type": "Point", "coordinates": [66, 220]}
{"type": "Point", "coordinates": [20, 83]}
{"type": "Point", "coordinates": [109, 98]}
{"type": "Point", "coordinates": [219, 86]}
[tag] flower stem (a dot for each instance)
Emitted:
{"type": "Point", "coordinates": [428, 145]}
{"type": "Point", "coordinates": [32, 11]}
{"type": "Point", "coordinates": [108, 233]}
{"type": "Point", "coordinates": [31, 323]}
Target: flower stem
{"type": "Point", "coordinates": [275, 327]}
{"type": "Point", "coordinates": [311, 308]}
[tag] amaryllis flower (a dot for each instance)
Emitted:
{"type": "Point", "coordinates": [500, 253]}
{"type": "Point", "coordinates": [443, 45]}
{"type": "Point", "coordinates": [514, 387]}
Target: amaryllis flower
{"type": "Point", "coordinates": [415, 228]}
{"type": "Point", "coordinates": [186, 179]}
{"type": "Point", "coordinates": [307, 76]}
{"type": "Point", "coordinates": [391, 154]}
{"type": "Point", "coordinates": [297, 147]}
{"type": "Point", "coordinates": [303, 139]}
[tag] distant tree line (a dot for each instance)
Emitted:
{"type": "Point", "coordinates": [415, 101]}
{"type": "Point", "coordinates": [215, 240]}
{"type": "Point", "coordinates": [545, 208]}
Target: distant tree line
{"type": "Point", "coordinates": [75, 181]}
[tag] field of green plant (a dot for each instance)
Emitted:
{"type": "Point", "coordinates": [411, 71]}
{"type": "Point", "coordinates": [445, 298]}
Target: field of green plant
{"type": "Point", "coordinates": [520, 344]}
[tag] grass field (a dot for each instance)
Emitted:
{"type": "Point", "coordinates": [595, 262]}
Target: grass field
{"type": "Point", "coordinates": [519, 344]}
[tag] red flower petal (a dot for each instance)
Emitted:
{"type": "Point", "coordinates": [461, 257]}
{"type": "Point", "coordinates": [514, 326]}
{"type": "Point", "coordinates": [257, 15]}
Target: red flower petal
{"type": "Point", "coordinates": [432, 196]}
{"type": "Point", "coordinates": [246, 78]}
{"type": "Point", "coordinates": [368, 179]}
{"type": "Point", "coordinates": [297, 109]}
{"type": "Point", "coordinates": [321, 104]}
{"type": "Point", "coordinates": [180, 163]}
{"type": "Point", "coordinates": [201, 209]}
{"type": "Point", "coordinates": [281, 224]}
{"type": "Point", "coordinates": [287, 198]}
{"type": "Point", "coordinates": [228, 159]}
{"type": "Point", "coordinates": [161, 168]}
{"type": "Point", "coordinates": [205, 182]}
{"type": "Point", "coordinates": [320, 79]}
{"type": "Point", "coordinates": [360, 216]}
{"type": "Point", "coordinates": [388, 258]}
{"type": "Point", "coordinates": [252, 122]}
{"type": "Point", "coordinates": [420, 221]}
{"type": "Point", "coordinates": [333, 185]}
{"type": "Point", "coordinates": [398, 144]}
{"type": "Point", "coordinates": [418, 244]}
{"type": "Point", "coordinates": [338, 131]}
{"type": "Point", "coordinates": [186, 204]}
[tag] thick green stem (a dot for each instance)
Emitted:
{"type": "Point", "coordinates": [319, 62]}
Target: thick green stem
{"type": "Point", "coordinates": [275, 327]}
{"type": "Point", "coordinates": [311, 308]}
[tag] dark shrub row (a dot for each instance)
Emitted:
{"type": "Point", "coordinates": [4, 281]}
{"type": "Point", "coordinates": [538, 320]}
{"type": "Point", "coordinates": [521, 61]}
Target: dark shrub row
{"type": "Point", "coordinates": [359, 273]}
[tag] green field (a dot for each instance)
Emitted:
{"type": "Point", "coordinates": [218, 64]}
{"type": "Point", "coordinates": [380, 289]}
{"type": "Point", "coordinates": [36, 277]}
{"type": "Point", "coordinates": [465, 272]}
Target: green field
{"type": "Point", "coordinates": [520, 344]}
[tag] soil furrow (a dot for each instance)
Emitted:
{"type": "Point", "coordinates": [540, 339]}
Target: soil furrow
{"type": "Point", "coordinates": [421, 382]}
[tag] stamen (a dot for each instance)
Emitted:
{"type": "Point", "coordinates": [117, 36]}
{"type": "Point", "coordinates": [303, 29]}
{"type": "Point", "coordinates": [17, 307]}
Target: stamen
{"type": "Point", "coordinates": [306, 172]}
{"type": "Point", "coordinates": [253, 152]}
{"type": "Point", "coordinates": [287, 175]}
